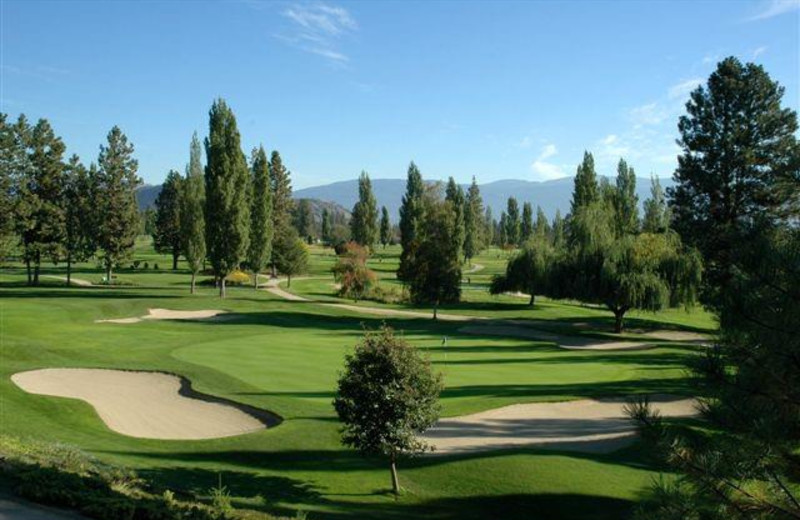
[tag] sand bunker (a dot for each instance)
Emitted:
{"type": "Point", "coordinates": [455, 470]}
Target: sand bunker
{"type": "Point", "coordinates": [72, 280]}
{"type": "Point", "coordinates": [149, 405]}
{"type": "Point", "coordinates": [587, 425]}
{"type": "Point", "coordinates": [167, 314]}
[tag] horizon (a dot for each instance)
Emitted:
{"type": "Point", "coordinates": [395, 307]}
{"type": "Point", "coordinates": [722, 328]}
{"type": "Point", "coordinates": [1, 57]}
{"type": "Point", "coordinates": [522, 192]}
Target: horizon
{"type": "Point", "coordinates": [337, 89]}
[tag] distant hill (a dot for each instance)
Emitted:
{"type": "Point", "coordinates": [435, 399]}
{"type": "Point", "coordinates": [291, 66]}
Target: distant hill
{"type": "Point", "coordinates": [146, 196]}
{"type": "Point", "coordinates": [550, 195]}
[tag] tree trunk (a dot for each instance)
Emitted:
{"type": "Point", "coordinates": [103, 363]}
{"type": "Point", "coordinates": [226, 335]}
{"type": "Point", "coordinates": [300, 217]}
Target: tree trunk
{"type": "Point", "coordinates": [193, 277]}
{"type": "Point", "coordinates": [619, 314]}
{"type": "Point", "coordinates": [175, 257]}
{"type": "Point", "coordinates": [36, 263]}
{"type": "Point", "coordinates": [222, 287]}
{"type": "Point", "coordinates": [395, 482]}
{"type": "Point", "coordinates": [108, 273]}
{"type": "Point", "coordinates": [435, 310]}
{"type": "Point", "coordinates": [255, 280]}
{"type": "Point", "coordinates": [28, 269]}
{"type": "Point", "coordinates": [69, 270]}
{"type": "Point", "coordinates": [288, 280]}
{"type": "Point", "coordinates": [530, 303]}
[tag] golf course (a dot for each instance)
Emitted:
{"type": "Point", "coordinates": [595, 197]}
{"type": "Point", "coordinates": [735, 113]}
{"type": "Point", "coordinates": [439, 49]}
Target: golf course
{"type": "Point", "coordinates": [281, 352]}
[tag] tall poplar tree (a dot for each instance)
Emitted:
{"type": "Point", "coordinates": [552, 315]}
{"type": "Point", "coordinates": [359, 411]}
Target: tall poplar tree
{"type": "Point", "coordinates": [261, 232]}
{"type": "Point", "coordinates": [364, 222]}
{"type": "Point", "coordinates": [326, 226]}
{"type": "Point", "coordinates": [411, 215]}
{"type": "Point", "coordinates": [167, 236]}
{"type": "Point", "coordinates": [559, 231]}
{"type": "Point", "coordinates": [656, 211]}
{"type": "Point", "coordinates": [386, 227]}
{"type": "Point", "coordinates": [193, 201]}
{"type": "Point", "coordinates": [512, 222]}
{"type": "Point", "coordinates": [79, 213]}
{"type": "Point", "coordinates": [542, 226]}
{"type": "Point", "coordinates": [9, 158]}
{"type": "Point", "coordinates": [118, 213]}
{"type": "Point", "coordinates": [526, 228]}
{"type": "Point", "coordinates": [454, 194]}
{"type": "Point", "coordinates": [227, 189]}
{"type": "Point", "coordinates": [282, 202]}
{"type": "Point", "coordinates": [586, 190]}
{"type": "Point", "coordinates": [625, 200]}
{"type": "Point", "coordinates": [304, 219]}
{"type": "Point", "coordinates": [474, 234]}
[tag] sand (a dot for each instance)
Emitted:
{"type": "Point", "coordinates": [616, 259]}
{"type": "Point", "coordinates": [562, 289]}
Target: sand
{"type": "Point", "coordinates": [149, 405]}
{"type": "Point", "coordinates": [167, 314]}
{"type": "Point", "coordinates": [586, 425]}
{"type": "Point", "coordinates": [72, 280]}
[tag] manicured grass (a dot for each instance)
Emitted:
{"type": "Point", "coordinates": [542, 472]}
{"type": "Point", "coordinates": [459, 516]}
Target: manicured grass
{"type": "Point", "coordinates": [285, 356]}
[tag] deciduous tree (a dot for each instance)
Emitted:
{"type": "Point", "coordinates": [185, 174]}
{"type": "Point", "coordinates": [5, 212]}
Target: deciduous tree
{"type": "Point", "coordinates": [167, 236]}
{"type": "Point", "coordinates": [261, 232]}
{"type": "Point", "coordinates": [364, 220]}
{"type": "Point", "coordinates": [193, 200]}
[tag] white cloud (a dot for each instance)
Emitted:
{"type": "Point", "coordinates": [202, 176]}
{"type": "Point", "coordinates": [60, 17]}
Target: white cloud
{"type": "Point", "coordinates": [610, 139]}
{"type": "Point", "coordinates": [682, 89]}
{"type": "Point", "coordinates": [648, 114]}
{"type": "Point", "coordinates": [546, 170]}
{"type": "Point", "coordinates": [317, 29]}
{"type": "Point", "coordinates": [759, 51]}
{"type": "Point", "coordinates": [775, 8]}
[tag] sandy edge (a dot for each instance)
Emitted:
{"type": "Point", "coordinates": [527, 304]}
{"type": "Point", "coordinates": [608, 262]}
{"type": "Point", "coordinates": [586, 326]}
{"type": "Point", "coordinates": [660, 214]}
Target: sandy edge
{"type": "Point", "coordinates": [168, 314]}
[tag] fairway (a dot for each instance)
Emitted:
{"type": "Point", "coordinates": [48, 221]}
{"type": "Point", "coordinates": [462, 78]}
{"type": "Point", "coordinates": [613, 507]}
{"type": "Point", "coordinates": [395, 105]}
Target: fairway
{"type": "Point", "coordinates": [284, 356]}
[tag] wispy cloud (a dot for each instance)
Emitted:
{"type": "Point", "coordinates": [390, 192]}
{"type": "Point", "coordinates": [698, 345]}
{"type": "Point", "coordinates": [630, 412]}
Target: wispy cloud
{"type": "Point", "coordinates": [318, 29]}
{"type": "Point", "coordinates": [544, 169]}
{"type": "Point", "coordinates": [682, 89]}
{"type": "Point", "coordinates": [647, 114]}
{"type": "Point", "coordinates": [774, 8]}
{"type": "Point", "coordinates": [759, 51]}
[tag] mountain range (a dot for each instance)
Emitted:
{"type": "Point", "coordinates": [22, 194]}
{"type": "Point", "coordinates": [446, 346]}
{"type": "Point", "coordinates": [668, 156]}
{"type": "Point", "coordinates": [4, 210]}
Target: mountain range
{"type": "Point", "coordinates": [550, 195]}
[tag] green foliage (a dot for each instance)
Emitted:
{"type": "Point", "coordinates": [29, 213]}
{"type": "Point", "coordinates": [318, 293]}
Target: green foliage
{"type": "Point", "coordinates": [117, 211]}
{"type": "Point", "coordinates": [326, 226]}
{"type": "Point", "coordinates": [192, 212]}
{"type": "Point", "coordinates": [411, 216]}
{"type": "Point", "coordinates": [304, 219]}
{"type": "Point", "coordinates": [79, 204]}
{"type": "Point", "coordinates": [625, 201]}
{"type": "Point", "coordinates": [227, 180]}
{"type": "Point", "coordinates": [386, 397]}
{"type": "Point", "coordinates": [740, 158]}
{"type": "Point", "coordinates": [259, 252]}
{"type": "Point", "coordinates": [512, 223]}
{"type": "Point", "coordinates": [585, 191]}
{"type": "Point", "coordinates": [386, 227]}
{"type": "Point", "coordinates": [542, 228]}
{"type": "Point", "coordinates": [475, 228]}
{"type": "Point", "coordinates": [528, 271]}
{"type": "Point", "coordinates": [455, 195]}
{"type": "Point", "coordinates": [282, 203]}
{"type": "Point", "coordinates": [526, 228]}
{"type": "Point", "coordinates": [9, 155]}
{"type": "Point", "coordinates": [657, 214]}
{"type": "Point", "coordinates": [364, 220]}
{"type": "Point", "coordinates": [167, 236]}
{"type": "Point", "coordinates": [289, 253]}
{"type": "Point", "coordinates": [559, 231]}
{"type": "Point", "coordinates": [355, 280]}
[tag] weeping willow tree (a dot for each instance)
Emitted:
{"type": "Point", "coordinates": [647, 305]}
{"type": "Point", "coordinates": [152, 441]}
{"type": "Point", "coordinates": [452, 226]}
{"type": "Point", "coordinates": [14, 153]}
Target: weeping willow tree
{"type": "Point", "coordinates": [528, 271]}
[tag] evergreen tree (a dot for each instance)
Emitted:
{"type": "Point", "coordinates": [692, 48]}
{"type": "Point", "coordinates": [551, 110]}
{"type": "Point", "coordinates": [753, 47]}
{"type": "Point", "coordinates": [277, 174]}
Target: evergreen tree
{"type": "Point", "coordinates": [118, 214]}
{"type": "Point", "coordinates": [290, 253]}
{"type": "Point", "coordinates": [626, 202]}
{"type": "Point", "coordinates": [559, 231]}
{"type": "Point", "coordinates": [386, 227]}
{"type": "Point", "coordinates": [364, 221]}
{"type": "Point", "coordinates": [455, 195]}
{"type": "Point", "coordinates": [526, 228]}
{"type": "Point", "coordinates": [326, 226]}
{"type": "Point", "coordinates": [304, 220]}
{"type": "Point", "coordinates": [411, 215]}
{"type": "Point", "coordinates": [282, 203]}
{"type": "Point", "coordinates": [474, 224]}
{"type": "Point", "coordinates": [227, 182]}
{"type": "Point", "coordinates": [489, 226]}
{"type": "Point", "coordinates": [167, 237]}
{"type": "Point", "coordinates": [512, 222]}
{"type": "Point", "coordinates": [585, 191]}
{"type": "Point", "coordinates": [79, 203]}
{"type": "Point", "coordinates": [502, 230]}
{"type": "Point", "coordinates": [656, 210]}
{"type": "Point", "coordinates": [193, 201]}
{"type": "Point", "coordinates": [9, 161]}
{"type": "Point", "coordinates": [740, 153]}
{"type": "Point", "coordinates": [542, 228]}
{"type": "Point", "coordinates": [260, 249]}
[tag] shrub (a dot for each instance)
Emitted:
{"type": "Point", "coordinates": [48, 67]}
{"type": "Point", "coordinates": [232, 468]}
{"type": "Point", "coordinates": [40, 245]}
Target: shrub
{"type": "Point", "coordinates": [387, 294]}
{"type": "Point", "coordinates": [351, 272]}
{"type": "Point", "coordinates": [237, 278]}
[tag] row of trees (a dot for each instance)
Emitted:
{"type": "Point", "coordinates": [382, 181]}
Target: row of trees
{"type": "Point", "coordinates": [59, 210]}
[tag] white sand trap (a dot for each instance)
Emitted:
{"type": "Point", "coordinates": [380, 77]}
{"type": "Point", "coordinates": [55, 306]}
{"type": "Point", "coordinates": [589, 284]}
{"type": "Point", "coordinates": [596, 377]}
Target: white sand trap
{"type": "Point", "coordinates": [474, 269]}
{"type": "Point", "coordinates": [167, 314]}
{"type": "Point", "coordinates": [563, 341]}
{"type": "Point", "coordinates": [587, 425]}
{"type": "Point", "coordinates": [72, 280]}
{"type": "Point", "coordinates": [148, 405]}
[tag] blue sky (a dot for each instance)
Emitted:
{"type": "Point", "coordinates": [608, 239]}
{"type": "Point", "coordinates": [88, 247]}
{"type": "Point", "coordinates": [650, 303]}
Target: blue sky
{"type": "Point", "coordinates": [492, 89]}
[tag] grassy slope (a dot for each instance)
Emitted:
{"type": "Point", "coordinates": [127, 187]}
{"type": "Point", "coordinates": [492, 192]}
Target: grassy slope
{"type": "Point", "coordinates": [285, 357]}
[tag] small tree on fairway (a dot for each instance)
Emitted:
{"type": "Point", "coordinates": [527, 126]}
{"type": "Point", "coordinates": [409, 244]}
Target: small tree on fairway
{"type": "Point", "coordinates": [386, 227]}
{"type": "Point", "coordinates": [387, 396]}
{"type": "Point", "coordinates": [118, 213]}
{"type": "Point", "coordinates": [260, 251]}
{"type": "Point", "coordinates": [351, 272]}
{"type": "Point", "coordinates": [289, 252]}
{"type": "Point", "coordinates": [193, 199]}
{"type": "Point", "coordinates": [167, 238]}
{"type": "Point", "coordinates": [227, 194]}
{"type": "Point", "coordinates": [528, 271]}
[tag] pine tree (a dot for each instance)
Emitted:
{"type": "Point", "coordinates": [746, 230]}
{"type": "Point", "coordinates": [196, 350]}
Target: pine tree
{"type": "Point", "coordinates": [454, 194]}
{"type": "Point", "coordinates": [542, 227]}
{"type": "Point", "coordinates": [193, 200]}
{"type": "Point", "coordinates": [118, 213]}
{"type": "Point", "coordinates": [559, 231]}
{"type": "Point", "coordinates": [227, 182]}
{"type": "Point", "coordinates": [585, 191]}
{"type": "Point", "coordinates": [282, 203]}
{"type": "Point", "coordinates": [364, 222]}
{"type": "Point", "coordinates": [502, 230]}
{"type": "Point", "coordinates": [304, 219]}
{"type": "Point", "coordinates": [326, 226]}
{"type": "Point", "coordinates": [656, 210]}
{"type": "Point", "coordinates": [261, 232]}
{"type": "Point", "coordinates": [79, 203]}
{"type": "Point", "coordinates": [512, 222]}
{"type": "Point", "coordinates": [411, 215]}
{"type": "Point", "coordinates": [740, 158]}
{"type": "Point", "coordinates": [489, 226]}
{"type": "Point", "coordinates": [9, 158]}
{"type": "Point", "coordinates": [386, 227]}
{"type": "Point", "coordinates": [167, 236]}
{"type": "Point", "coordinates": [626, 202]}
{"type": "Point", "coordinates": [474, 224]}
{"type": "Point", "coordinates": [526, 228]}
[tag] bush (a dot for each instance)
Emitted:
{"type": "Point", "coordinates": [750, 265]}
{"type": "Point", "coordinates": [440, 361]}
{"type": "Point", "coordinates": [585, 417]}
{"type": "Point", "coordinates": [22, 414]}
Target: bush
{"type": "Point", "coordinates": [351, 272]}
{"type": "Point", "coordinates": [388, 294]}
{"type": "Point", "coordinates": [237, 278]}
